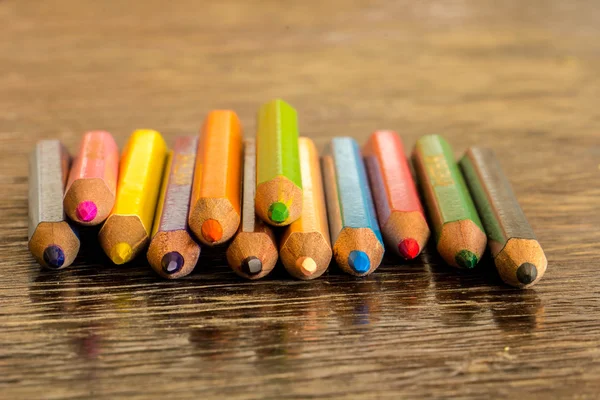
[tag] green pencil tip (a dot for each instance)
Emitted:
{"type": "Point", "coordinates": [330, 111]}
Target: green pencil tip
{"type": "Point", "coordinates": [278, 212]}
{"type": "Point", "coordinates": [466, 259]}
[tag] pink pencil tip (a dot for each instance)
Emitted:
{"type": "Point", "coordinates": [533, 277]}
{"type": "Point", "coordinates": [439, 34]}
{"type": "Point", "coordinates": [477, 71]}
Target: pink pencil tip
{"type": "Point", "coordinates": [409, 248]}
{"type": "Point", "coordinates": [86, 211]}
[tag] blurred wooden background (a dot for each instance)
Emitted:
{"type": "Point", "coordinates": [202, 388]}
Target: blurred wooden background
{"type": "Point", "coordinates": [519, 76]}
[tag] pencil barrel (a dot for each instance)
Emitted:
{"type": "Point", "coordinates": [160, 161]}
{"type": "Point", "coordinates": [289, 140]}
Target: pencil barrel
{"type": "Point", "coordinates": [459, 233]}
{"type": "Point", "coordinates": [252, 254]}
{"type": "Point", "coordinates": [305, 249]}
{"type": "Point", "coordinates": [215, 212]}
{"type": "Point", "coordinates": [399, 210]}
{"type": "Point", "coordinates": [52, 240]}
{"type": "Point", "coordinates": [357, 242]}
{"type": "Point", "coordinates": [517, 254]}
{"type": "Point", "coordinates": [92, 184]}
{"type": "Point", "coordinates": [127, 229]}
{"type": "Point", "coordinates": [279, 181]}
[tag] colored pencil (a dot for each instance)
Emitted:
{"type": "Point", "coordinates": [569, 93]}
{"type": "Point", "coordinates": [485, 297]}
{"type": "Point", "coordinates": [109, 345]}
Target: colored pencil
{"type": "Point", "coordinates": [173, 253]}
{"type": "Point", "coordinates": [459, 234]}
{"type": "Point", "coordinates": [92, 184]}
{"type": "Point", "coordinates": [518, 256]}
{"type": "Point", "coordinates": [215, 211]}
{"type": "Point", "coordinates": [305, 246]}
{"type": "Point", "coordinates": [357, 242]}
{"type": "Point", "coordinates": [253, 252]}
{"type": "Point", "coordinates": [127, 229]}
{"type": "Point", "coordinates": [399, 210]}
{"type": "Point", "coordinates": [52, 240]}
{"type": "Point", "coordinates": [279, 184]}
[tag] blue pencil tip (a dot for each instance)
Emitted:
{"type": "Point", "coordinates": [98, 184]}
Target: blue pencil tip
{"type": "Point", "coordinates": [54, 256]}
{"type": "Point", "coordinates": [359, 261]}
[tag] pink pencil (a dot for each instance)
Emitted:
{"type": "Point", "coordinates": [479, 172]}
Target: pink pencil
{"type": "Point", "coordinates": [92, 184]}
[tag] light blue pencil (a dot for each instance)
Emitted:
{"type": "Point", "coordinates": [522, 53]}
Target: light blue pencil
{"type": "Point", "coordinates": [357, 242]}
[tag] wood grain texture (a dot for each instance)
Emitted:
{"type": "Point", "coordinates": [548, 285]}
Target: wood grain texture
{"type": "Point", "coordinates": [518, 76]}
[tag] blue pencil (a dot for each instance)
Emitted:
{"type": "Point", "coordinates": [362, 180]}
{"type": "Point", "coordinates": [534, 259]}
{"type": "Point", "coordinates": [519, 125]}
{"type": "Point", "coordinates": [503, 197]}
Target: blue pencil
{"type": "Point", "coordinates": [357, 242]}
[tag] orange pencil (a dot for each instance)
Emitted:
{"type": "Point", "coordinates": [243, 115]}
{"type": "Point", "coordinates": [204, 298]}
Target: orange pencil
{"type": "Point", "coordinates": [399, 211]}
{"type": "Point", "coordinates": [92, 185]}
{"type": "Point", "coordinates": [305, 246]}
{"type": "Point", "coordinates": [215, 205]}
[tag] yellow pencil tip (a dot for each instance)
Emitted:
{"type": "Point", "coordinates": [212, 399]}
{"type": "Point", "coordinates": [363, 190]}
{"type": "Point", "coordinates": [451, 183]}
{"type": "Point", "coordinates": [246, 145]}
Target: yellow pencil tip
{"type": "Point", "coordinates": [121, 253]}
{"type": "Point", "coordinates": [306, 265]}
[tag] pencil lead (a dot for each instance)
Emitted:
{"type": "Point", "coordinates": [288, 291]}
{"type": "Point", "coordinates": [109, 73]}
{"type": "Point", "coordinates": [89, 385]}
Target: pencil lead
{"type": "Point", "coordinates": [306, 265]}
{"type": "Point", "coordinates": [408, 248]}
{"type": "Point", "coordinates": [86, 211]}
{"type": "Point", "coordinates": [466, 259]}
{"type": "Point", "coordinates": [252, 265]}
{"type": "Point", "coordinates": [359, 261]}
{"type": "Point", "coordinates": [172, 262]}
{"type": "Point", "coordinates": [212, 231]}
{"type": "Point", "coordinates": [54, 256]}
{"type": "Point", "coordinates": [278, 212]}
{"type": "Point", "coordinates": [526, 273]}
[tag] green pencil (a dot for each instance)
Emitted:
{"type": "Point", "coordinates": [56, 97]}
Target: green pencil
{"type": "Point", "coordinates": [460, 236]}
{"type": "Point", "coordinates": [279, 182]}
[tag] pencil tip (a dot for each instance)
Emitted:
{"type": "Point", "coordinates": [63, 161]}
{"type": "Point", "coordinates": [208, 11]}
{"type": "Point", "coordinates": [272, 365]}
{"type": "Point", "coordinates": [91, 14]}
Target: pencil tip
{"type": "Point", "coordinates": [306, 265]}
{"type": "Point", "coordinates": [121, 253]}
{"type": "Point", "coordinates": [526, 273]}
{"type": "Point", "coordinates": [466, 259]}
{"type": "Point", "coordinates": [54, 256]}
{"type": "Point", "coordinates": [278, 212]}
{"type": "Point", "coordinates": [409, 248]}
{"type": "Point", "coordinates": [86, 211]}
{"type": "Point", "coordinates": [212, 231]}
{"type": "Point", "coordinates": [251, 265]}
{"type": "Point", "coordinates": [359, 261]}
{"type": "Point", "coordinates": [172, 262]}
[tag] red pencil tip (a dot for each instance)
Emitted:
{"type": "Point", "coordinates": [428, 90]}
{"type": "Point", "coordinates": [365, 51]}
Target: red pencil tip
{"type": "Point", "coordinates": [409, 248]}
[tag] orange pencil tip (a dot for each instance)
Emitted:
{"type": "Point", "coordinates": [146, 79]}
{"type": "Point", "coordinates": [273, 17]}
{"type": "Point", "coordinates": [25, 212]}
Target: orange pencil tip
{"type": "Point", "coordinates": [212, 230]}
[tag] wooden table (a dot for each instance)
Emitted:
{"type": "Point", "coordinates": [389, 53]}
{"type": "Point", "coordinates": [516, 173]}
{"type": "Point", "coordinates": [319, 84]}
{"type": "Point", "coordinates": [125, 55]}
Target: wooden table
{"type": "Point", "coordinates": [519, 76]}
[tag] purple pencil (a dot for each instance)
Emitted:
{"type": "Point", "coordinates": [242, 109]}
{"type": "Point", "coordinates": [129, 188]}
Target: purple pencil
{"type": "Point", "coordinates": [173, 252]}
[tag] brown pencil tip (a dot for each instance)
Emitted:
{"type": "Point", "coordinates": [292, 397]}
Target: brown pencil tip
{"type": "Point", "coordinates": [526, 273]}
{"type": "Point", "coordinates": [306, 265]}
{"type": "Point", "coordinates": [409, 248]}
{"type": "Point", "coordinates": [212, 231]}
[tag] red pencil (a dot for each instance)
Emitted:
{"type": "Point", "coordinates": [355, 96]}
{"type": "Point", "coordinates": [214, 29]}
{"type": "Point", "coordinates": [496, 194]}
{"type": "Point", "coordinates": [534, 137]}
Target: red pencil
{"type": "Point", "coordinates": [399, 210]}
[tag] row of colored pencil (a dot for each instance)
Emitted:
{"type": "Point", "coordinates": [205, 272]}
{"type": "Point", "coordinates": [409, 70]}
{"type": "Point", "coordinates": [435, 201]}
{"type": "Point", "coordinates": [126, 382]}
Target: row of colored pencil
{"type": "Point", "coordinates": [214, 187]}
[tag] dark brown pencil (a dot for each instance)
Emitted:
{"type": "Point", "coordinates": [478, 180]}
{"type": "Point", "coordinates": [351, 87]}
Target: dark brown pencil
{"type": "Point", "coordinates": [173, 253]}
{"type": "Point", "coordinates": [518, 256]}
{"type": "Point", "coordinates": [253, 252]}
{"type": "Point", "coordinates": [52, 240]}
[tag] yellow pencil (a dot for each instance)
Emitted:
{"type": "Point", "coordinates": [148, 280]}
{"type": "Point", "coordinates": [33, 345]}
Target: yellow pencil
{"type": "Point", "coordinates": [305, 246]}
{"type": "Point", "coordinates": [127, 229]}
